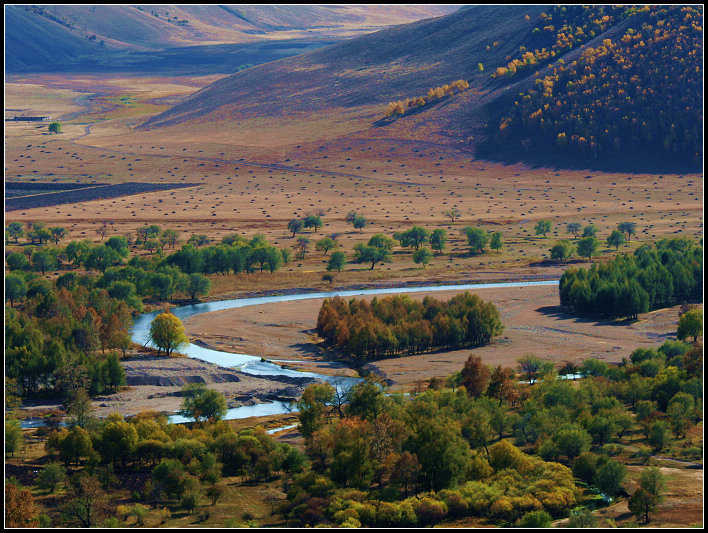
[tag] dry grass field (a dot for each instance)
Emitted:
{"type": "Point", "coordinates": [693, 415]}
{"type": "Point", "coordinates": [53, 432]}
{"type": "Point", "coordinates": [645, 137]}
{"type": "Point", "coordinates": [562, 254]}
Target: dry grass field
{"type": "Point", "coordinates": [256, 176]}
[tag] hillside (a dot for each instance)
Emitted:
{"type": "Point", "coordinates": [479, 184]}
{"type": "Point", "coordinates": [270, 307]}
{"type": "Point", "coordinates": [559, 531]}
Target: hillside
{"type": "Point", "coordinates": [51, 37]}
{"type": "Point", "coordinates": [601, 62]}
{"type": "Point", "coordinates": [371, 69]}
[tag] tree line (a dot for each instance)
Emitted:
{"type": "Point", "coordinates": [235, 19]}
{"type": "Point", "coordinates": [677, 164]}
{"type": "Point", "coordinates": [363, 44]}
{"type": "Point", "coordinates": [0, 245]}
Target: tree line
{"type": "Point", "coordinates": [399, 325]}
{"type": "Point", "coordinates": [662, 275]}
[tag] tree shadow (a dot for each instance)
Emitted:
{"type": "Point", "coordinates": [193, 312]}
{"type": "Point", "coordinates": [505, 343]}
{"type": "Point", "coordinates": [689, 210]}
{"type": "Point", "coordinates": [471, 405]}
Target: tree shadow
{"type": "Point", "coordinates": [557, 312]}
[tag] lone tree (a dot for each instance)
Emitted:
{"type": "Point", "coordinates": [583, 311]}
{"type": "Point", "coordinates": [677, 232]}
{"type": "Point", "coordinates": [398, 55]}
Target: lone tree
{"type": "Point", "coordinates": [589, 231]}
{"type": "Point", "coordinates": [313, 221]}
{"type": "Point", "coordinates": [167, 332]}
{"type": "Point", "coordinates": [336, 261]}
{"type": "Point", "coordinates": [453, 214]}
{"type": "Point", "coordinates": [496, 242]}
{"type": "Point", "coordinates": [422, 256]}
{"type": "Point", "coordinates": [648, 495]}
{"type": "Point", "coordinates": [573, 229]}
{"type": "Point", "coordinates": [55, 127]}
{"type": "Point", "coordinates": [359, 222]}
{"type": "Point", "coordinates": [543, 227]}
{"type": "Point", "coordinates": [438, 239]}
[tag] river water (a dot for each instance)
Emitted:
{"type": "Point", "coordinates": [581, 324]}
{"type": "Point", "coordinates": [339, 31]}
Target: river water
{"type": "Point", "coordinates": [253, 365]}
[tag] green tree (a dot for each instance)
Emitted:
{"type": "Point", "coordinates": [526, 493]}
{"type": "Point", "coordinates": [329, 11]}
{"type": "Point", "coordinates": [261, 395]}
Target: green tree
{"type": "Point", "coordinates": [58, 234]}
{"type": "Point", "coordinates": [609, 477]}
{"type": "Point", "coordinates": [43, 260]}
{"type": "Point", "coordinates": [15, 230]}
{"type": "Point", "coordinates": [422, 256]}
{"type": "Point", "coordinates": [313, 406]}
{"type": "Point", "coordinates": [543, 227]}
{"type": "Point", "coordinates": [371, 254]}
{"type": "Point", "coordinates": [573, 229]}
{"type": "Point", "coordinates": [15, 288]}
{"type": "Point", "coordinates": [438, 239]}
{"type": "Point", "coordinates": [167, 332]}
{"type": "Point", "coordinates": [628, 228]}
{"type": "Point", "coordinates": [587, 247]}
{"type": "Point", "coordinates": [649, 494]}
{"type": "Point", "coordinates": [453, 214]}
{"type": "Point", "coordinates": [496, 242]}
{"type": "Point", "coordinates": [118, 441]}
{"type": "Point", "coordinates": [615, 239]}
{"type": "Point", "coordinates": [582, 517]}
{"type": "Point", "coordinates": [414, 237]}
{"type": "Point", "coordinates": [359, 222]}
{"type": "Point", "coordinates": [199, 285]}
{"type": "Point", "coordinates": [477, 239]}
{"type": "Point", "coordinates": [14, 438]}
{"type": "Point", "coordinates": [658, 435]}
{"type": "Point", "coordinates": [690, 325]}
{"type": "Point", "coordinates": [55, 127]}
{"type": "Point", "coordinates": [313, 221]}
{"type": "Point", "coordinates": [325, 245]}
{"type": "Point", "coordinates": [589, 231]}
{"type": "Point", "coordinates": [535, 519]}
{"type": "Point", "coordinates": [562, 251]}
{"type": "Point", "coordinates": [50, 476]}
{"type": "Point", "coordinates": [201, 403]}
{"type": "Point", "coordinates": [336, 261]}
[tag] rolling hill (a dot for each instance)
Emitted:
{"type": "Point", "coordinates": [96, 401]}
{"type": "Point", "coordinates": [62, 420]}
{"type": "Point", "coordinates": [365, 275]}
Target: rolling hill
{"type": "Point", "coordinates": [649, 61]}
{"type": "Point", "coordinates": [60, 37]}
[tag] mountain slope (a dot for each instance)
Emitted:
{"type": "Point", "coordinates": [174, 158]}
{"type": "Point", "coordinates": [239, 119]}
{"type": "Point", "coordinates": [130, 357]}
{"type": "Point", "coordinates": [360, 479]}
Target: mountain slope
{"type": "Point", "coordinates": [80, 31]}
{"type": "Point", "coordinates": [371, 69]}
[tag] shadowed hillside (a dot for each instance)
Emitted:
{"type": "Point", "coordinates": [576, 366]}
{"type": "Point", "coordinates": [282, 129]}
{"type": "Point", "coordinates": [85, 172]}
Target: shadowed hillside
{"type": "Point", "coordinates": [568, 84]}
{"type": "Point", "coordinates": [61, 37]}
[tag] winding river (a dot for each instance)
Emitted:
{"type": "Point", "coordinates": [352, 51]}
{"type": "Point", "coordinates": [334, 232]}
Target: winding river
{"type": "Point", "coordinates": [253, 365]}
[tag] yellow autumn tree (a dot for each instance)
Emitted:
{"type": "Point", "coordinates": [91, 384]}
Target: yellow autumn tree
{"type": "Point", "coordinates": [167, 332]}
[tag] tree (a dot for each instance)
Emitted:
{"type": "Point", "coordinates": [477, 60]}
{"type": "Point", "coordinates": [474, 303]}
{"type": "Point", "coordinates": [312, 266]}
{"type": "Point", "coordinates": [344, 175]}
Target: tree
{"type": "Point", "coordinates": [303, 243]}
{"type": "Point", "coordinates": [690, 325]}
{"type": "Point", "coordinates": [214, 493]}
{"type": "Point", "coordinates": [589, 231]}
{"type": "Point", "coordinates": [496, 241]}
{"type": "Point", "coordinates": [14, 230]}
{"type": "Point", "coordinates": [543, 227]}
{"type": "Point", "coordinates": [615, 239]}
{"type": "Point", "coordinates": [57, 234]}
{"type": "Point", "coordinates": [167, 332]}
{"type": "Point", "coordinates": [679, 412]}
{"type": "Point", "coordinates": [453, 214]}
{"type": "Point", "coordinates": [336, 261]}
{"type": "Point", "coordinates": [313, 221]}
{"type": "Point", "coordinates": [628, 228]}
{"type": "Point", "coordinates": [14, 438]}
{"type": "Point", "coordinates": [422, 256]}
{"type": "Point", "coordinates": [438, 239]}
{"type": "Point", "coordinates": [587, 247]}
{"type": "Point", "coordinates": [532, 366]}
{"type": "Point", "coordinates": [371, 254]}
{"type": "Point", "coordinates": [16, 261]}
{"type": "Point", "coordinates": [51, 475]}
{"type": "Point", "coordinates": [170, 237]}
{"type": "Point", "coordinates": [582, 517]}
{"type": "Point", "coordinates": [535, 519]}
{"type": "Point", "coordinates": [475, 376]}
{"type": "Point", "coordinates": [20, 509]}
{"type": "Point", "coordinates": [199, 285]}
{"type": "Point", "coordinates": [573, 229]}
{"type": "Point", "coordinates": [658, 435]}
{"type": "Point", "coordinates": [88, 502]}
{"type": "Point", "coordinates": [359, 222]}
{"type": "Point", "coordinates": [649, 494]}
{"type": "Point", "coordinates": [201, 403]}
{"type": "Point", "coordinates": [119, 244]}
{"type": "Point", "coordinates": [609, 477]}
{"type": "Point", "coordinates": [55, 127]}
{"type": "Point", "coordinates": [325, 245]}
{"type": "Point", "coordinates": [75, 445]}
{"type": "Point", "coordinates": [15, 288]}
{"type": "Point", "coordinates": [414, 237]}
{"type": "Point", "coordinates": [477, 238]}
{"type": "Point", "coordinates": [43, 260]}
{"type": "Point", "coordinates": [312, 407]}
{"type": "Point", "coordinates": [641, 503]}
{"type": "Point", "coordinates": [562, 250]}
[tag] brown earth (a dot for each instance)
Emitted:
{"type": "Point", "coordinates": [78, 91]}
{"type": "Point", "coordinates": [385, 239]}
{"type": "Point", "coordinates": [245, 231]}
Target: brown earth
{"type": "Point", "coordinates": [533, 323]}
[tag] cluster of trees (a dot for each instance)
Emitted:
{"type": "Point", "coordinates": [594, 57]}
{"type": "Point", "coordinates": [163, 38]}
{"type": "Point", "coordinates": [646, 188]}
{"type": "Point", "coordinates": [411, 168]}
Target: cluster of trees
{"type": "Point", "coordinates": [235, 254]}
{"type": "Point", "coordinates": [453, 451]}
{"type": "Point", "coordinates": [177, 465]}
{"type": "Point", "coordinates": [662, 275]}
{"type": "Point", "coordinates": [639, 92]}
{"type": "Point", "coordinates": [296, 225]}
{"type": "Point", "coordinates": [65, 338]}
{"type": "Point", "coordinates": [587, 246]}
{"type": "Point", "coordinates": [397, 325]}
{"type": "Point", "coordinates": [478, 239]}
{"type": "Point", "coordinates": [401, 107]}
{"type": "Point", "coordinates": [560, 30]}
